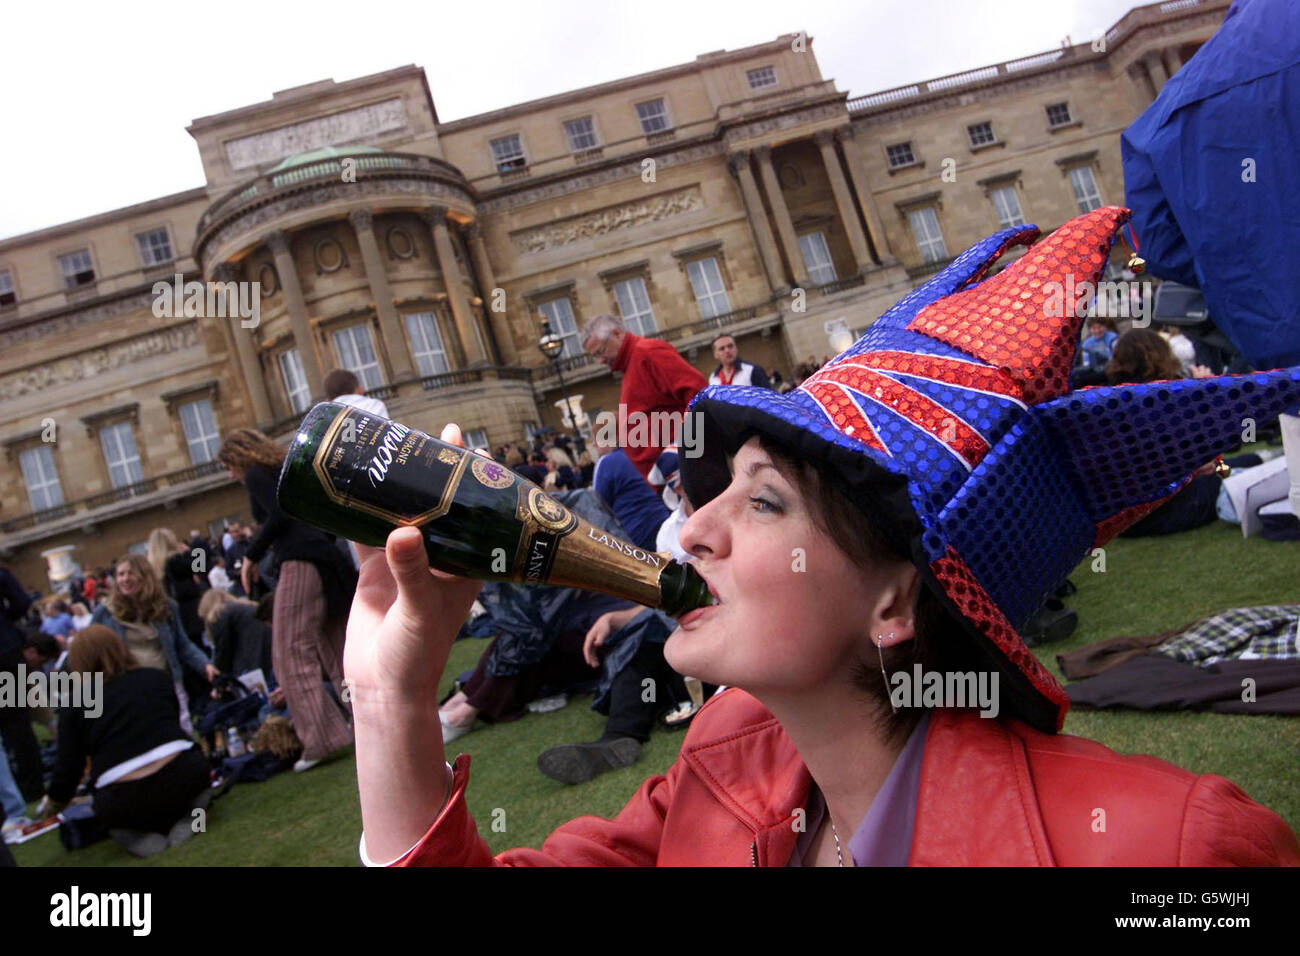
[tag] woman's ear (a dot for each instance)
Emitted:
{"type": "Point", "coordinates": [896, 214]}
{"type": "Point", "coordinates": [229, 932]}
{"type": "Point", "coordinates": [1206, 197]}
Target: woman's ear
{"type": "Point", "coordinates": [895, 616]}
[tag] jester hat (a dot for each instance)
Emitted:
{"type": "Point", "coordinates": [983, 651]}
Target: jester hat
{"type": "Point", "coordinates": [952, 422]}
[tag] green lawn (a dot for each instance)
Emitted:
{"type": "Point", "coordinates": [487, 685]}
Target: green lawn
{"type": "Point", "coordinates": [1149, 585]}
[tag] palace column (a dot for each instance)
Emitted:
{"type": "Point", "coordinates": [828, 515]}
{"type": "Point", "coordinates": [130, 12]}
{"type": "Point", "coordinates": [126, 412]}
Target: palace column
{"type": "Point", "coordinates": [487, 279]}
{"type": "Point", "coordinates": [781, 212]}
{"type": "Point", "coordinates": [861, 186]}
{"type": "Point", "coordinates": [1156, 67]}
{"type": "Point", "coordinates": [1173, 60]}
{"type": "Point", "coordinates": [297, 306]}
{"type": "Point", "coordinates": [246, 352]}
{"type": "Point", "coordinates": [398, 355]}
{"type": "Point", "coordinates": [825, 141]}
{"type": "Point", "coordinates": [738, 163]}
{"type": "Point", "coordinates": [453, 281]}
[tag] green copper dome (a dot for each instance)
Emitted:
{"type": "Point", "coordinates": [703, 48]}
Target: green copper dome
{"type": "Point", "coordinates": [316, 155]}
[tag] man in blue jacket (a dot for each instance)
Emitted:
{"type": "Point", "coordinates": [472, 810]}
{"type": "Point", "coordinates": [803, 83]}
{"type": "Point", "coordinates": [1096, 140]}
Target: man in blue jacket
{"type": "Point", "coordinates": [1211, 175]}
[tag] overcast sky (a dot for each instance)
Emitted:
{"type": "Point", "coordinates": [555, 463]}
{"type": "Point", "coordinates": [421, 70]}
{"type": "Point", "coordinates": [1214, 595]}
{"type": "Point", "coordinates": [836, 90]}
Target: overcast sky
{"type": "Point", "coordinates": [98, 95]}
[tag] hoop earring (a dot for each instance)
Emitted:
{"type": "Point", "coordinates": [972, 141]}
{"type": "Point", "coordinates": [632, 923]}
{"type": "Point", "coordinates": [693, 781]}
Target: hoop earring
{"type": "Point", "coordinates": [880, 640]}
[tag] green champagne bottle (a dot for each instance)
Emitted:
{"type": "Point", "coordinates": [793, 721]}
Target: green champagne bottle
{"type": "Point", "coordinates": [360, 476]}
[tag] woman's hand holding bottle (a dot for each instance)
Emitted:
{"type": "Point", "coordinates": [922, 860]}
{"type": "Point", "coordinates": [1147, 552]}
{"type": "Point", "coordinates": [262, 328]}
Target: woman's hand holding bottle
{"type": "Point", "coordinates": [404, 619]}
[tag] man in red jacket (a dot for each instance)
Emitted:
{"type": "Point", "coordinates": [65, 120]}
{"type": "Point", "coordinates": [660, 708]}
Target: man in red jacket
{"type": "Point", "coordinates": [656, 379]}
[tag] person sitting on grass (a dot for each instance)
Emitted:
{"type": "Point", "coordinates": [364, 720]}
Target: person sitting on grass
{"type": "Point", "coordinates": [57, 622]}
{"type": "Point", "coordinates": [146, 774]}
{"type": "Point", "coordinates": [81, 615]}
{"type": "Point", "coordinates": [861, 551]}
{"type": "Point", "coordinates": [149, 622]}
{"type": "Point", "coordinates": [1143, 355]}
{"type": "Point", "coordinates": [241, 638]}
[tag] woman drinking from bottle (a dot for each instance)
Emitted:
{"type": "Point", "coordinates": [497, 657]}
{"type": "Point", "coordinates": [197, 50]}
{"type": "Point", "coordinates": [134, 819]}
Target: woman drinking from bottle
{"type": "Point", "coordinates": [873, 539]}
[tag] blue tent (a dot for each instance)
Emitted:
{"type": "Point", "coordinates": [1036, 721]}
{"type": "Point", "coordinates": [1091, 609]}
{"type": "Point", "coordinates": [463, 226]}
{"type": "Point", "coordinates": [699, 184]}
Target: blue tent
{"type": "Point", "coordinates": [1212, 172]}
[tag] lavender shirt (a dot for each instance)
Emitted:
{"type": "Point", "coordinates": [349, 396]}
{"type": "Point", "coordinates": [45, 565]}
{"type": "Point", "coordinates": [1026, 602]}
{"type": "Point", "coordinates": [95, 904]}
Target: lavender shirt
{"type": "Point", "coordinates": [884, 837]}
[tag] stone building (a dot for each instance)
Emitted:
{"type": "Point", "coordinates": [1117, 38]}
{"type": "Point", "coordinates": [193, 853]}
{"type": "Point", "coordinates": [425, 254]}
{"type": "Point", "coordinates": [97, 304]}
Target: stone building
{"type": "Point", "coordinates": [741, 192]}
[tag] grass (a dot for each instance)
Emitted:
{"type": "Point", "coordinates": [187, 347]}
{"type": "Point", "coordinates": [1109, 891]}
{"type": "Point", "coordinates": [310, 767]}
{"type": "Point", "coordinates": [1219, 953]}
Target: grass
{"type": "Point", "coordinates": [1149, 585]}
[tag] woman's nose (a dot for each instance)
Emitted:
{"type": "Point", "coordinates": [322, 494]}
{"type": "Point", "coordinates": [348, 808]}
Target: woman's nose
{"type": "Point", "coordinates": [704, 534]}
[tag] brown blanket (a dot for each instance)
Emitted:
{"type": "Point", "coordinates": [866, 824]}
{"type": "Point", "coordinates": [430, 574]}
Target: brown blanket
{"type": "Point", "coordinates": [1091, 659]}
{"type": "Point", "coordinates": [1155, 682]}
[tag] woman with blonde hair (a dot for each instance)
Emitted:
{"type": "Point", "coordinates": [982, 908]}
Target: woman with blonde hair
{"type": "Point", "coordinates": [146, 774]}
{"type": "Point", "coordinates": [173, 562]}
{"type": "Point", "coordinates": [560, 475]}
{"type": "Point", "coordinates": [241, 641]}
{"type": "Point", "coordinates": [149, 622]}
{"type": "Point", "coordinates": [315, 588]}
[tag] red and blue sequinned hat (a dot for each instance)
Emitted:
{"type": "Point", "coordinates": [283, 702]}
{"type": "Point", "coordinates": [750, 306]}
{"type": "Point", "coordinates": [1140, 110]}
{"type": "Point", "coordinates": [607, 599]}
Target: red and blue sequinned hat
{"type": "Point", "coordinates": [955, 410]}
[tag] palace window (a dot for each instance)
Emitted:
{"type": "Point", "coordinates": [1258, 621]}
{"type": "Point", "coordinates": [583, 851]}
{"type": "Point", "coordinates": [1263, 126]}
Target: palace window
{"type": "Point", "coordinates": [426, 343]}
{"type": "Point", "coordinates": [41, 477]}
{"type": "Point", "coordinates": [634, 306]}
{"type": "Point", "coordinates": [476, 438]}
{"type": "Point", "coordinates": [77, 269]}
{"type": "Point", "coordinates": [981, 134]}
{"type": "Point", "coordinates": [7, 295]}
{"type": "Point", "coordinates": [201, 435]}
{"type": "Point", "coordinates": [581, 134]}
{"type": "Point", "coordinates": [295, 381]}
{"type": "Point", "coordinates": [120, 455]}
{"type": "Point", "coordinates": [653, 116]}
{"type": "Point", "coordinates": [356, 351]}
{"type": "Point", "coordinates": [1007, 203]}
{"type": "Point", "coordinates": [929, 238]}
{"type": "Point", "coordinates": [817, 258]}
{"type": "Point", "coordinates": [706, 281]}
{"type": "Point", "coordinates": [762, 77]}
{"type": "Point", "coordinates": [155, 247]}
{"type": "Point", "coordinates": [1085, 189]}
{"type": "Point", "coordinates": [508, 153]}
{"type": "Point", "coordinates": [1058, 114]}
{"type": "Point", "coordinates": [560, 313]}
{"type": "Point", "coordinates": [900, 154]}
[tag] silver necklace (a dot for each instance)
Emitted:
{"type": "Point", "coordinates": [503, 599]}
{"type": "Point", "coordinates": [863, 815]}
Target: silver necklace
{"type": "Point", "coordinates": [835, 833]}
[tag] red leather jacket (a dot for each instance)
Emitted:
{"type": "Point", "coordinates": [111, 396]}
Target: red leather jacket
{"type": "Point", "coordinates": [992, 793]}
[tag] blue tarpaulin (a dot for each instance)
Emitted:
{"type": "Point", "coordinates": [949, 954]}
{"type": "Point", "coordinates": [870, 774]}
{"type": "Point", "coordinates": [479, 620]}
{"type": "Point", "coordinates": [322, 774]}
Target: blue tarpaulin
{"type": "Point", "coordinates": [1212, 173]}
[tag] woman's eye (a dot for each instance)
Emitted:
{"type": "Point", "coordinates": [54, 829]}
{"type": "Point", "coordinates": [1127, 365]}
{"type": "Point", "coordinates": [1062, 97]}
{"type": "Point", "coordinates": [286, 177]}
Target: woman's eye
{"type": "Point", "coordinates": [763, 506]}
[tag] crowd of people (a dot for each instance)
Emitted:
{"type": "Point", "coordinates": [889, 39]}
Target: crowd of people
{"type": "Point", "coordinates": [161, 629]}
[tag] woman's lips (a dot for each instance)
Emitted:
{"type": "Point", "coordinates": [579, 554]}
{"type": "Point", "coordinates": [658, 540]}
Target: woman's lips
{"type": "Point", "coordinates": [686, 620]}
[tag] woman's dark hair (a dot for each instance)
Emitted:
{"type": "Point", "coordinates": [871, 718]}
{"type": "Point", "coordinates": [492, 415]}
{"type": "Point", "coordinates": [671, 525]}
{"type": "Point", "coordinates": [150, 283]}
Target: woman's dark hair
{"type": "Point", "coordinates": [939, 643]}
{"type": "Point", "coordinates": [1142, 355]}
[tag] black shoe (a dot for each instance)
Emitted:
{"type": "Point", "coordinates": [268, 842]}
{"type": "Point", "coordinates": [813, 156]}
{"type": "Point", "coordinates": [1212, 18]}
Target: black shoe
{"type": "Point", "coordinates": [1053, 622]}
{"type": "Point", "coordinates": [578, 763]}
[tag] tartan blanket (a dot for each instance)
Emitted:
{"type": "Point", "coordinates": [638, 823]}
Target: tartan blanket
{"type": "Point", "coordinates": [1242, 633]}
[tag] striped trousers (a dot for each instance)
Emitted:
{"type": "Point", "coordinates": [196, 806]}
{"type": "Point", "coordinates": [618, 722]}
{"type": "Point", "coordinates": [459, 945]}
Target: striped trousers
{"type": "Point", "coordinates": [303, 647]}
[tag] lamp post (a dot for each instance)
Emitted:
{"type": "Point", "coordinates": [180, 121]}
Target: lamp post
{"type": "Point", "coordinates": [551, 345]}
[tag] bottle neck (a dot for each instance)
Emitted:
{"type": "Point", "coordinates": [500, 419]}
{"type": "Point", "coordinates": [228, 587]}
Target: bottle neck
{"type": "Point", "coordinates": [683, 589]}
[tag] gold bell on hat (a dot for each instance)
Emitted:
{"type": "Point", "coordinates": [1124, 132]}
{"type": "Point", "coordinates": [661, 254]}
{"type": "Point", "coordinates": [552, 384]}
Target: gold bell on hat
{"type": "Point", "coordinates": [1222, 468]}
{"type": "Point", "coordinates": [1136, 264]}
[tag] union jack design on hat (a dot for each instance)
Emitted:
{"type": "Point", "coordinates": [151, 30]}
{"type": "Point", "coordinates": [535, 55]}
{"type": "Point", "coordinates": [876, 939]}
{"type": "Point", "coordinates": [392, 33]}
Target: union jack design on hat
{"type": "Point", "coordinates": [958, 398]}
